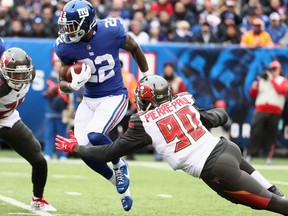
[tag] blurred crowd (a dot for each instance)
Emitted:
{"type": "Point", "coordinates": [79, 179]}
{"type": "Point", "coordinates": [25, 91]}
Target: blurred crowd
{"type": "Point", "coordinates": [191, 21]}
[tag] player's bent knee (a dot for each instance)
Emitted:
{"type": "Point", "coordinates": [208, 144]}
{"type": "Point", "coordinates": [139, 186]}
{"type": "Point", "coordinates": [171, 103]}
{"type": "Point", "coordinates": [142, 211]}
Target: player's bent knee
{"type": "Point", "coordinates": [98, 139]}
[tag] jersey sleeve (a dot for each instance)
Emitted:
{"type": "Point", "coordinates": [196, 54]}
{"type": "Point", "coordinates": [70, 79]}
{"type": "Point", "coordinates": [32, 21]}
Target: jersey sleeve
{"type": "Point", "coordinates": [213, 117]}
{"type": "Point", "coordinates": [121, 32]}
{"type": "Point", "coordinates": [134, 138]}
{"type": "Point", "coordinates": [2, 46]}
{"type": "Point", "coordinates": [62, 52]}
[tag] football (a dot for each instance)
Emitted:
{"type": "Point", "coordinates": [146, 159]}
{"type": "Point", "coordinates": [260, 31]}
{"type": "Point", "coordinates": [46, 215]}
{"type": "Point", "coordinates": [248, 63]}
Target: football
{"type": "Point", "coordinates": [77, 68]}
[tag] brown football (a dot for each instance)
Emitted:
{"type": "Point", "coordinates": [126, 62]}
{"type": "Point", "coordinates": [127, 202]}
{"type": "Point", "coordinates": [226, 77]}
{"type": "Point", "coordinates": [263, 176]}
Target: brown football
{"type": "Point", "coordinates": [77, 68]}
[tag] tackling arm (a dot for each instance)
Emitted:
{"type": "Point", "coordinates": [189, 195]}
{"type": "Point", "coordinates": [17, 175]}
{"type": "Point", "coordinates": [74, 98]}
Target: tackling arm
{"type": "Point", "coordinates": [133, 47]}
{"type": "Point", "coordinates": [213, 118]}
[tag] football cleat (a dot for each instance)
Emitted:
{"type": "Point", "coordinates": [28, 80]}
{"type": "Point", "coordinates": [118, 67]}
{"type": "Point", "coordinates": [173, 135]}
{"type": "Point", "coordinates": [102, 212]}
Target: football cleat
{"type": "Point", "coordinates": [127, 202]}
{"type": "Point", "coordinates": [41, 204]}
{"type": "Point", "coordinates": [122, 178]}
{"type": "Point", "coordinates": [275, 190]}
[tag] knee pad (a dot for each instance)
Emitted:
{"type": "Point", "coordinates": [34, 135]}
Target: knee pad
{"type": "Point", "coordinates": [98, 139]}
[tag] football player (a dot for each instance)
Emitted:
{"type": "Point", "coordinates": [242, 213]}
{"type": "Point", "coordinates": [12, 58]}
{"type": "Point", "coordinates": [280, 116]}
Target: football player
{"type": "Point", "coordinates": [96, 43]}
{"type": "Point", "coordinates": [17, 73]}
{"type": "Point", "coordinates": [178, 130]}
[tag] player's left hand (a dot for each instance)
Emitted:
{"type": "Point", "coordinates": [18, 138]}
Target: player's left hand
{"type": "Point", "coordinates": [78, 80]}
{"type": "Point", "coordinates": [66, 144]}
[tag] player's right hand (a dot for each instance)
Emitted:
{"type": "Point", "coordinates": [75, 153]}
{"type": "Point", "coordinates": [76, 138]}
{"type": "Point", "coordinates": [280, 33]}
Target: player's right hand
{"type": "Point", "coordinates": [66, 144]}
{"type": "Point", "coordinates": [78, 80]}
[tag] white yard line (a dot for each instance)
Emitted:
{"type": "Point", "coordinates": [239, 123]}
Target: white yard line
{"type": "Point", "coordinates": [22, 205]}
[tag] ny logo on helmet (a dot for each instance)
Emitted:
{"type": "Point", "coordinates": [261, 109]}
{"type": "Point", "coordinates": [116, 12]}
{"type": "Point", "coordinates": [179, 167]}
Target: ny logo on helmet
{"type": "Point", "coordinates": [83, 12]}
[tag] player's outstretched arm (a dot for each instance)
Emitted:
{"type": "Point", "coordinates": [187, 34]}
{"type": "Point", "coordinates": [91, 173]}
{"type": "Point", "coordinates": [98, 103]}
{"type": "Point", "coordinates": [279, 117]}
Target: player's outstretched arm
{"type": "Point", "coordinates": [133, 47]}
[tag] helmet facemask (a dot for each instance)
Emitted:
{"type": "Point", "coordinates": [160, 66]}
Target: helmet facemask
{"type": "Point", "coordinates": [17, 68]}
{"type": "Point", "coordinates": [70, 31]}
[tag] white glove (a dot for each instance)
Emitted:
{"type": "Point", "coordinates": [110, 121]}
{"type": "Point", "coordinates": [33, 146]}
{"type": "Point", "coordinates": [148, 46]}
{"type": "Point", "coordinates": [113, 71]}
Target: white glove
{"type": "Point", "coordinates": [78, 80]}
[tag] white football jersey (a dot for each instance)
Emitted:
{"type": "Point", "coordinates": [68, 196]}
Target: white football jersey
{"type": "Point", "coordinates": [178, 134]}
{"type": "Point", "coordinates": [8, 104]}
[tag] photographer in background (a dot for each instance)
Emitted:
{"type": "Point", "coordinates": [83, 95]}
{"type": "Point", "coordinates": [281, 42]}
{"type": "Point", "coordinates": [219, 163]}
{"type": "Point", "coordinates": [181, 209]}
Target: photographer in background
{"type": "Point", "coordinates": [269, 91]}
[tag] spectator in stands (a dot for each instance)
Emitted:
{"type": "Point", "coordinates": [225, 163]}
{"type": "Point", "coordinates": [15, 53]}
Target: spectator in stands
{"type": "Point", "coordinates": [5, 21]}
{"type": "Point", "coordinates": [183, 33]}
{"type": "Point", "coordinates": [51, 26]}
{"type": "Point", "coordinates": [137, 32]}
{"type": "Point", "coordinates": [247, 5]}
{"type": "Point", "coordinates": [276, 29]}
{"type": "Point", "coordinates": [24, 16]}
{"type": "Point", "coordinates": [155, 36]}
{"type": "Point", "coordinates": [140, 16]}
{"type": "Point", "coordinates": [120, 6]}
{"type": "Point", "coordinates": [269, 91]}
{"type": "Point", "coordinates": [258, 9]}
{"type": "Point", "coordinates": [55, 105]}
{"type": "Point", "coordinates": [160, 5]}
{"type": "Point", "coordinates": [210, 15]}
{"type": "Point", "coordinates": [38, 28]}
{"type": "Point", "coordinates": [206, 36]}
{"type": "Point", "coordinates": [247, 22]}
{"type": "Point", "coordinates": [176, 82]}
{"type": "Point", "coordinates": [229, 19]}
{"type": "Point", "coordinates": [275, 6]}
{"type": "Point", "coordinates": [231, 35]}
{"type": "Point", "coordinates": [16, 29]}
{"type": "Point", "coordinates": [140, 5]}
{"type": "Point", "coordinates": [257, 37]}
{"type": "Point", "coordinates": [231, 8]}
{"type": "Point", "coordinates": [166, 26]}
{"type": "Point", "coordinates": [181, 13]}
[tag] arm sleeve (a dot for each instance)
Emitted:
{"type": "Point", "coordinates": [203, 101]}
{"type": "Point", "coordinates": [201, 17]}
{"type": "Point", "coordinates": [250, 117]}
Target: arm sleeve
{"type": "Point", "coordinates": [134, 138]}
{"type": "Point", "coordinates": [213, 118]}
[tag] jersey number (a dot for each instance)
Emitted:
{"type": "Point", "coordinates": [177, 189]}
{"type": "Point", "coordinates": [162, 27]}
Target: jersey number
{"type": "Point", "coordinates": [104, 72]}
{"type": "Point", "coordinates": [185, 127]}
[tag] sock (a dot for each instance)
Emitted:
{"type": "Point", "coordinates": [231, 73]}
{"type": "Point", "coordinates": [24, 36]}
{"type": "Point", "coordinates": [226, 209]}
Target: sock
{"type": "Point", "coordinates": [98, 139]}
{"type": "Point", "coordinates": [260, 179]}
{"type": "Point", "coordinates": [113, 180]}
{"type": "Point", "coordinates": [119, 164]}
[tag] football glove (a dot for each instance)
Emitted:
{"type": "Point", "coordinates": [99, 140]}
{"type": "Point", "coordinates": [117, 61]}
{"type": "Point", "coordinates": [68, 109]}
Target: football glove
{"type": "Point", "coordinates": [66, 144]}
{"type": "Point", "coordinates": [78, 80]}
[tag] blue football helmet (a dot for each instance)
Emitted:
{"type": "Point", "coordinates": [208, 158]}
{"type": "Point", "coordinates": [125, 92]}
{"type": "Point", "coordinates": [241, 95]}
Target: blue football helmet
{"type": "Point", "coordinates": [77, 18]}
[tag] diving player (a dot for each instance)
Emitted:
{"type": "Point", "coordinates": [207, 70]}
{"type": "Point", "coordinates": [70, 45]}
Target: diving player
{"type": "Point", "coordinates": [178, 130]}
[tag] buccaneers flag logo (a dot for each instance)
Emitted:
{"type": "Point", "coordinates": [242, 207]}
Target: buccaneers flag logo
{"type": "Point", "coordinates": [146, 93]}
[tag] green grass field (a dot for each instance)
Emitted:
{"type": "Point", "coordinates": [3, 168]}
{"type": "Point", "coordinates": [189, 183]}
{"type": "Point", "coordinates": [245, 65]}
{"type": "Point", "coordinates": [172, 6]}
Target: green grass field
{"type": "Point", "coordinates": [157, 190]}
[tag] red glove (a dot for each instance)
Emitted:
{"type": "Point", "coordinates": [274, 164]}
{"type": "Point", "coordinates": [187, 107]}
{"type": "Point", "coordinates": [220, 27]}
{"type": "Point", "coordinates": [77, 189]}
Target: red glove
{"type": "Point", "coordinates": [65, 144]}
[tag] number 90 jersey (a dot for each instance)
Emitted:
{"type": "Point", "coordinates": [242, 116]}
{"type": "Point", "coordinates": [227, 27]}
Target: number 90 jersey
{"type": "Point", "coordinates": [101, 53]}
{"type": "Point", "coordinates": [178, 134]}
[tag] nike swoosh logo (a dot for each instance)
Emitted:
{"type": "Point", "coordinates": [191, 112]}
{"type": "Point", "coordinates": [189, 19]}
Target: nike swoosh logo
{"type": "Point", "coordinates": [80, 82]}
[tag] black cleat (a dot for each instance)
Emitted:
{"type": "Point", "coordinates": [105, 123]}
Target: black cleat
{"type": "Point", "coordinates": [275, 190]}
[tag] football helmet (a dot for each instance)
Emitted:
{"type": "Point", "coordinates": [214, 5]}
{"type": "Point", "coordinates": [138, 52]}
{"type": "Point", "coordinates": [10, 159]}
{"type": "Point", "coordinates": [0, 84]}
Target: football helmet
{"type": "Point", "coordinates": [17, 68]}
{"type": "Point", "coordinates": [152, 90]}
{"type": "Point", "coordinates": [77, 18]}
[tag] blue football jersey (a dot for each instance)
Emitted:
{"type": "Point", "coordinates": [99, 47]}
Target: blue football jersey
{"type": "Point", "coordinates": [2, 47]}
{"type": "Point", "coordinates": [101, 53]}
